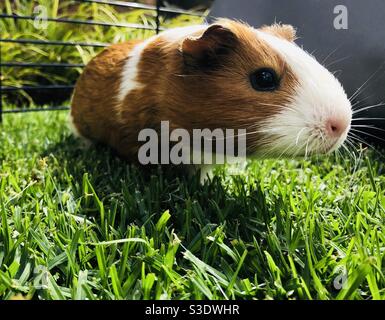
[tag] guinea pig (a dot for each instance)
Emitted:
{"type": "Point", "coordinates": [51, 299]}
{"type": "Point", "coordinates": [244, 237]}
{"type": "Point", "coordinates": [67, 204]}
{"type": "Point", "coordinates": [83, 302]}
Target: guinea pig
{"type": "Point", "coordinates": [224, 75]}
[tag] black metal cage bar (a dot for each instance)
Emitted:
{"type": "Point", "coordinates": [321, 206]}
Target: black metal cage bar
{"type": "Point", "coordinates": [135, 5]}
{"type": "Point", "coordinates": [5, 88]}
{"type": "Point", "coordinates": [55, 43]}
{"type": "Point", "coordinates": [46, 65]}
{"type": "Point", "coordinates": [157, 9]}
{"type": "Point", "coordinates": [87, 22]}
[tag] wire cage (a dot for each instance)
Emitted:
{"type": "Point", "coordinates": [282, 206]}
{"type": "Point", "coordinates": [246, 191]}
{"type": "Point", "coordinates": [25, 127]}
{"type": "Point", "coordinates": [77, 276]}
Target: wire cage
{"type": "Point", "coordinates": [157, 9]}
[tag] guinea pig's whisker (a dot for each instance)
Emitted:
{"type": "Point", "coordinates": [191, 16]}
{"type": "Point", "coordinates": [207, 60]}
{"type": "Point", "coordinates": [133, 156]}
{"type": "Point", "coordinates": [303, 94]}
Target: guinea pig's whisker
{"type": "Point", "coordinates": [307, 145]}
{"type": "Point", "coordinates": [358, 102]}
{"type": "Point", "coordinates": [356, 149]}
{"type": "Point", "coordinates": [299, 135]}
{"type": "Point", "coordinates": [357, 138]}
{"type": "Point", "coordinates": [364, 85]}
{"type": "Point", "coordinates": [360, 89]}
{"type": "Point", "coordinates": [360, 141]}
{"type": "Point", "coordinates": [368, 134]}
{"type": "Point", "coordinates": [275, 148]}
{"type": "Point", "coordinates": [365, 119]}
{"type": "Point", "coordinates": [354, 144]}
{"type": "Point", "coordinates": [294, 110]}
{"type": "Point", "coordinates": [296, 142]}
{"type": "Point", "coordinates": [368, 127]}
{"type": "Point", "coordinates": [278, 106]}
{"type": "Point", "coordinates": [255, 125]}
{"type": "Point", "coordinates": [337, 61]}
{"type": "Point", "coordinates": [330, 54]}
{"type": "Point", "coordinates": [284, 151]}
{"type": "Point", "coordinates": [347, 146]}
{"type": "Point", "coordinates": [323, 139]}
{"type": "Point", "coordinates": [337, 73]}
{"type": "Point", "coordinates": [315, 145]}
{"type": "Point", "coordinates": [369, 107]}
{"type": "Point", "coordinates": [270, 105]}
{"type": "Point", "coordinates": [360, 156]}
{"type": "Point", "coordinates": [269, 150]}
{"type": "Point", "coordinates": [189, 75]}
{"type": "Point", "coordinates": [239, 135]}
{"type": "Point", "coordinates": [349, 142]}
{"type": "Point", "coordinates": [356, 162]}
{"type": "Point", "coordinates": [300, 148]}
{"type": "Point", "coordinates": [252, 126]}
{"type": "Point", "coordinates": [350, 154]}
{"type": "Point", "coordinates": [293, 144]}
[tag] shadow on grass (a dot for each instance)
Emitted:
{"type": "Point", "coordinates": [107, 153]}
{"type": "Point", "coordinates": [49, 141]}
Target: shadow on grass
{"type": "Point", "coordinates": [141, 194]}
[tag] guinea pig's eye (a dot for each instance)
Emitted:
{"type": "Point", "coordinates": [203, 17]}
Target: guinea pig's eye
{"type": "Point", "coordinates": [264, 79]}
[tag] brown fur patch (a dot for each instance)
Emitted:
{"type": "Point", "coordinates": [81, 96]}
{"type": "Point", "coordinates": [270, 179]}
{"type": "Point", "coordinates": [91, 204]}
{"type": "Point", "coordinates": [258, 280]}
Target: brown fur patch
{"type": "Point", "coordinates": [94, 103]}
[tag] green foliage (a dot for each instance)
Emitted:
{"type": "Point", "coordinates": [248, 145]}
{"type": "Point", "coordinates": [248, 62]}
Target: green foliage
{"type": "Point", "coordinates": [79, 223]}
{"type": "Point", "coordinates": [26, 29]}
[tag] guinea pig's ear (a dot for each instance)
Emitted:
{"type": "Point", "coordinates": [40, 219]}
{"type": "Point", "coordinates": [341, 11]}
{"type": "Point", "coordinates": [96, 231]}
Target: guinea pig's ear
{"type": "Point", "coordinates": [204, 50]}
{"type": "Point", "coordinates": [284, 31]}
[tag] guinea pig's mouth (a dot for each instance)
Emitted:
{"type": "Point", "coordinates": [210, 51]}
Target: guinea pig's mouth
{"type": "Point", "coordinates": [290, 135]}
{"type": "Point", "coordinates": [322, 147]}
{"type": "Point", "coordinates": [335, 145]}
{"type": "Point", "coordinates": [331, 148]}
{"type": "Point", "coordinates": [313, 143]}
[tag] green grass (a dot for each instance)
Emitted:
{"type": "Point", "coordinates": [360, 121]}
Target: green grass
{"type": "Point", "coordinates": [82, 224]}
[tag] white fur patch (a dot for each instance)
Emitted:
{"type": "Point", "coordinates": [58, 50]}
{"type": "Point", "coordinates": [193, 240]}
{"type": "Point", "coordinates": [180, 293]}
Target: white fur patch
{"type": "Point", "coordinates": [319, 96]}
{"type": "Point", "coordinates": [130, 70]}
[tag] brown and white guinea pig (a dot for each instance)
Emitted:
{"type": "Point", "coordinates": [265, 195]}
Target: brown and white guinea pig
{"type": "Point", "coordinates": [224, 75]}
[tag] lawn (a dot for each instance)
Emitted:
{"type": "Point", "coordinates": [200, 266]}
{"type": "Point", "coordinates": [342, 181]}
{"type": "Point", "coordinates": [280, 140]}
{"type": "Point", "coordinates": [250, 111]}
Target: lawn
{"type": "Point", "coordinates": [81, 224]}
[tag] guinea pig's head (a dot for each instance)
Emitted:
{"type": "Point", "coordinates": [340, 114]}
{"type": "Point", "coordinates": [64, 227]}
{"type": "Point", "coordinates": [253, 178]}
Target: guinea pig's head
{"type": "Point", "coordinates": [238, 77]}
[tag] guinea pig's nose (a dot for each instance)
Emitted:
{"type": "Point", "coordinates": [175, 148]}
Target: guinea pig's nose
{"type": "Point", "coordinates": [336, 126]}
